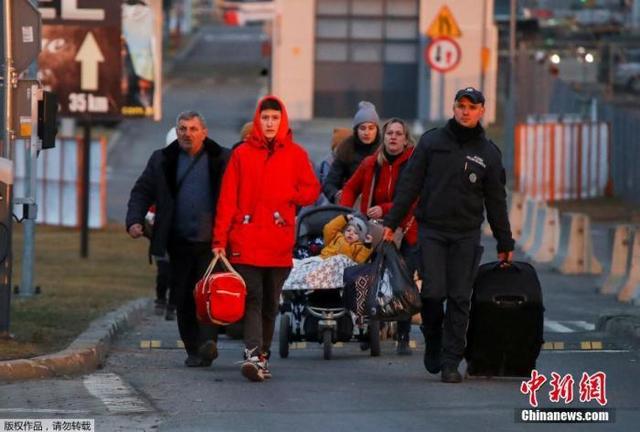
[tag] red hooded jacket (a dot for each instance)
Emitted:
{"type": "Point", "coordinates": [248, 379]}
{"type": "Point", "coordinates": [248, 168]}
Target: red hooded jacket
{"type": "Point", "coordinates": [257, 184]}
{"type": "Point", "coordinates": [388, 174]}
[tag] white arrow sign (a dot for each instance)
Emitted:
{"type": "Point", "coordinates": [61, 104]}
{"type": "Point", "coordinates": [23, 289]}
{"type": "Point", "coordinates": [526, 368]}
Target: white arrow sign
{"type": "Point", "coordinates": [89, 55]}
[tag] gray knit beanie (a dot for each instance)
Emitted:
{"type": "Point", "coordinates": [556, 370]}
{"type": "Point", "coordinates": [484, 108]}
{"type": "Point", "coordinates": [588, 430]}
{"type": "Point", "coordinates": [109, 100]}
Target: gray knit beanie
{"type": "Point", "coordinates": [360, 225]}
{"type": "Point", "coordinates": [366, 113]}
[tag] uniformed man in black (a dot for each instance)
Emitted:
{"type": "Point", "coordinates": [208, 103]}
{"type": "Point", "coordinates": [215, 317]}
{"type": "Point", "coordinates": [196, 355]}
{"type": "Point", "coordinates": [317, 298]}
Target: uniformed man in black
{"type": "Point", "coordinates": [456, 172]}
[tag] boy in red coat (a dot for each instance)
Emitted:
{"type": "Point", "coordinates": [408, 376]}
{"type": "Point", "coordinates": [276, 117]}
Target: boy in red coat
{"type": "Point", "coordinates": [267, 177]}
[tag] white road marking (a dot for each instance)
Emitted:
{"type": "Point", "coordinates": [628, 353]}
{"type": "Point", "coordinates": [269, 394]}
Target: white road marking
{"type": "Point", "coordinates": [585, 325]}
{"type": "Point", "coordinates": [44, 410]}
{"type": "Point", "coordinates": [114, 393]}
{"type": "Point", "coordinates": [556, 327]}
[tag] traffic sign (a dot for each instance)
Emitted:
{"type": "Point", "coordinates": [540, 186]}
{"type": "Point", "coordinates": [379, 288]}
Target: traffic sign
{"type": "Point", "coordinates": [81, 58]}
{"type": "Point", "coordinates": [444, 25]}
{"type": "Point", "coordinates": [443, 54]}
{"type": "Point", "coordinates": [25, 34]}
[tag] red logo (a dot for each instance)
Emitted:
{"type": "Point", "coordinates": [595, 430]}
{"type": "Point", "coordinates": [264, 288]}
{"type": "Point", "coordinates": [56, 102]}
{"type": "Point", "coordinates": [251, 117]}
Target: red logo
{"type": "Point", "coordinates": [591, 387]}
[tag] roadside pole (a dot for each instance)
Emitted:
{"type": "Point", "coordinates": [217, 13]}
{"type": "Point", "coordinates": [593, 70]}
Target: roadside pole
{"type": "Point", "coordinates": [86, 172]}
{"type": "Point", "coordinates": [510, 108]}
{"type": "Point", "coordinates": [6, 173]}
{"type": "Point", "coordinates": [21, 45]}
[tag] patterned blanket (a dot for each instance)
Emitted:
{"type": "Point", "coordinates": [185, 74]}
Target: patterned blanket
{"type": "Point", "coordinates": [315, 273]}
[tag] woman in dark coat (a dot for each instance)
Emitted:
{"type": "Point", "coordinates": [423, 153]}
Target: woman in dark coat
{"type": "Point", "coordinates": [350, 152]}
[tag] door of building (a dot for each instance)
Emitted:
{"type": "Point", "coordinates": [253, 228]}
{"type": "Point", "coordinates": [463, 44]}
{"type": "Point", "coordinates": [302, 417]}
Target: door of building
{"type": "Point", "coordinates": [366, 50]}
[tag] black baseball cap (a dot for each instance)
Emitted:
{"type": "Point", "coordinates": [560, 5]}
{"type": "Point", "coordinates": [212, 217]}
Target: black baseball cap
{"type": "Point", "coordinates": [473, 94]}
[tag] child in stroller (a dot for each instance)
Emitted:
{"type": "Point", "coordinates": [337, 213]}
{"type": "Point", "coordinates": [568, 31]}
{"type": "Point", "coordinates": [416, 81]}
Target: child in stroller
{"type": "Point", "coordinates": [312, 307]}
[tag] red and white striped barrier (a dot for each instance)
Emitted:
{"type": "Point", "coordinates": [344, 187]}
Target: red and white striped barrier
{"type": "Point", "coordinates": [558, 161]}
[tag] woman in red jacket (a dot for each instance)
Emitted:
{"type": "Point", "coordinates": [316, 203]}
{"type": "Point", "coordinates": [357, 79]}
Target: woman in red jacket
{"type": "Point", "coordinates": [375, 180]}
{"type": "Point", "coordinates": [267, 177]}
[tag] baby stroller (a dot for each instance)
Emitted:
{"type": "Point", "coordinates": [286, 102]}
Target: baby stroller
{"type": "Point", "coordinates": [319, 315]}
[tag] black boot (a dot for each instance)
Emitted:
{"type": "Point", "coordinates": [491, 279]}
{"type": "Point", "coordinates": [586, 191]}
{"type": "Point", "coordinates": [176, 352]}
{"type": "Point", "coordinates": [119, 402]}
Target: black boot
{"type": "Point", "coordinates": [450, 374]}
{"type": "Point", "coordinates": [403, 344]}
{"type": "Point", "coordinates": [159, 306]}
{"type": "Point", "coordinates": [432, 351]}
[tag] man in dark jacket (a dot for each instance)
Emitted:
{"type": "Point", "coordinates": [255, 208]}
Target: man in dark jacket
{"type": "Point", "coordinates": [183, 180]}
{"type": "Point", "coordinates": [456, 172]}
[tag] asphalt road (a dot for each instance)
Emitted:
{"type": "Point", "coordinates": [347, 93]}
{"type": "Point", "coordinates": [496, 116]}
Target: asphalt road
{"type": "Point", "coordinates": [144, 385]}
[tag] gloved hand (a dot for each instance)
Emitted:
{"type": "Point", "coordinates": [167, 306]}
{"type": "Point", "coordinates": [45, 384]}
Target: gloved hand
{"type": "Point", "coordinates": [505, 256]}
{"type": "Point", "coordinates": [387, 234]}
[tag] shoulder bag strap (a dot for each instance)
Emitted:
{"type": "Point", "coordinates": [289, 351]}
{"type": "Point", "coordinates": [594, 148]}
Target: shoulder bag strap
{"type": "Point", "coordinates": [189, 168]}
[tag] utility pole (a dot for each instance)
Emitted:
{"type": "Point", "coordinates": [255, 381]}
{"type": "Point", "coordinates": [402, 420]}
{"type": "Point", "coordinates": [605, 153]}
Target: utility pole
{"type": "Point", "coordinates": [510, 106]}
{"type": "Point", "coordinates": [6, 171]}
{"type": "Point", "coordinates": [21, 45]}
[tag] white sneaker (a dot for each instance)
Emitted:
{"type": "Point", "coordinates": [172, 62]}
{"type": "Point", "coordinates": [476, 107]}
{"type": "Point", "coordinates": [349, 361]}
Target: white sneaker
{"type": "Point", "coordinates": [252, 368]}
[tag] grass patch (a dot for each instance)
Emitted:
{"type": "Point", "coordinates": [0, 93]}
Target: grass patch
{"type": "Point", "coordinates": [75, 291]}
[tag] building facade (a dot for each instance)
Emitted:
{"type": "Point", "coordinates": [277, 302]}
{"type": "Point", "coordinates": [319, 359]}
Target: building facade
{"type": "Point", "coordinates": [330, 54]}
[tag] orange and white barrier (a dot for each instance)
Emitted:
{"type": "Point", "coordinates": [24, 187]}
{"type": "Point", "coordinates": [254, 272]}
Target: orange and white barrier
{"type": "Point", "coordinates": [545, 246]}
{"type": "Point", "coordinates": [557, 161]}
{"type": "Point", "coordinates": [516, 214]}
{"type": "Point", "coordinates": [575, 252]}
{"type": "Point", "coordinates": [630, 290]}
{"type": "Point", "coordinates": [58, 184]}
{"type": "Point", "coordinates": [621, 239]}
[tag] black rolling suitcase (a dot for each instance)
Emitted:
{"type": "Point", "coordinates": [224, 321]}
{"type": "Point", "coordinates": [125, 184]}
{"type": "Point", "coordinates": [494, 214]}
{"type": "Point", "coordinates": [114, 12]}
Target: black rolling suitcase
{"type": "Point", "coordinates": [507, 320]}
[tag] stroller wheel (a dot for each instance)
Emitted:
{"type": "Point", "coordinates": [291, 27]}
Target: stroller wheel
{"type": "Point", "coordinates": [364, 346]}
{"type": "Point", "coordinates": [327, 343]}
{"type": "Point", "coordinates": [374, 337]}
{"type": "Point", "coordinates": [285, 335]}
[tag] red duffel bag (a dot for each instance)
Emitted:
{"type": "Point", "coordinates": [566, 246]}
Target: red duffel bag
{"type": "Point", "coordinates": [220, 296]}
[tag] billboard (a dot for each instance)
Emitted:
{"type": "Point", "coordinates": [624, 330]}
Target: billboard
{"type": "Point", "coordinates": [142, 58]}
{"type": "Point", "coordinates": [80, 59]}
{"type": "Point", "coordinates": [103, 59]}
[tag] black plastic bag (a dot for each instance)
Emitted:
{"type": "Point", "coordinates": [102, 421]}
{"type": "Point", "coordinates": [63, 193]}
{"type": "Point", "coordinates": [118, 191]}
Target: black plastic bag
{"type": "Point", "coordinates": [394, 294]}
{"type": "Point", "coordinates": [382, 289]}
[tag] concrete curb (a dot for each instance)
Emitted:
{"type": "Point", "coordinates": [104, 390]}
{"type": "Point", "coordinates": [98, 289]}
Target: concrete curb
{"type": "Point", "coordinates": [621, 324]}
{"type": "Point", "coordinates": [85, 354]}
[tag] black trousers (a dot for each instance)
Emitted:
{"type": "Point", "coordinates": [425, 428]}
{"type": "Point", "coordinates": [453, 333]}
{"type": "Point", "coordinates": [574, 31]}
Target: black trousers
{"type": "Point", "coordinates": [163, 281]}
{"type": "Point", "coordinates": [264, 285]}
{"type": "Point", "coordinates": [412, 257]}
{"type": "Point", "coordinates": [450, 261]}
{"type": "Point", "coordinates": [188, 262]}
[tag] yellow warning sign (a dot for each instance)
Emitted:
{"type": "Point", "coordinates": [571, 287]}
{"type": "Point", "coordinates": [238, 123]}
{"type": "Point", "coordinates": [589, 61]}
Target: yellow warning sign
{"type": "Point", "coordinates": [444, 25]}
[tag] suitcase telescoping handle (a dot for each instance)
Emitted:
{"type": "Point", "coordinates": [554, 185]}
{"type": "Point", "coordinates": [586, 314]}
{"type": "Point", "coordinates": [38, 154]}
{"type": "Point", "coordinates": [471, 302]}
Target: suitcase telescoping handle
{"type": "Point", "coordinates": [509, 300]}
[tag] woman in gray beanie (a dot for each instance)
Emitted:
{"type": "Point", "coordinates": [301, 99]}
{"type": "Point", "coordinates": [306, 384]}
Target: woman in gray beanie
{"type": "Point", "coordinates": [350, 152]}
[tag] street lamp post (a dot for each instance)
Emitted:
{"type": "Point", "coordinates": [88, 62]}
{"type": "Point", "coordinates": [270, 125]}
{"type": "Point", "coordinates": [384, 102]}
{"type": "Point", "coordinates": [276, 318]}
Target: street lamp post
{"type": "Point", "coordinates": [510, 108]}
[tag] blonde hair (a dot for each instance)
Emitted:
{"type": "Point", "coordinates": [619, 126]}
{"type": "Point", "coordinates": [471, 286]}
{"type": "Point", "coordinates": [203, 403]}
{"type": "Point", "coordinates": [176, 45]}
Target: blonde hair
{"type": "Point", "coordinates": [407, 135]}
{"type": "Point", "coordinates": [246, 130]}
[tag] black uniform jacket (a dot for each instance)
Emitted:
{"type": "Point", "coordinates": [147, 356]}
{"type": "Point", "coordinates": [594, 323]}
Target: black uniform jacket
{"type": "Point", "coordinates": [158, 185]}
{"type": "Point", "coordinates": [454, 181]}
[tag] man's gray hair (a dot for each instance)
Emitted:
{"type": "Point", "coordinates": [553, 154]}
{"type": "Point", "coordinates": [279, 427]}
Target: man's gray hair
{"type": "Point", "coordinates": [188, 115]}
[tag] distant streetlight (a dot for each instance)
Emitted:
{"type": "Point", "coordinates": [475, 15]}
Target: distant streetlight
{"type": "Point", "coordinates": [589, 58]}
{"type": "Point", "coordinates": [555, 59]}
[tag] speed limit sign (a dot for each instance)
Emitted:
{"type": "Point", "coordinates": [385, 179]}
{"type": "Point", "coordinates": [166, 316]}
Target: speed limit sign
{"type": "Point", "coordinates": [443, 54]}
